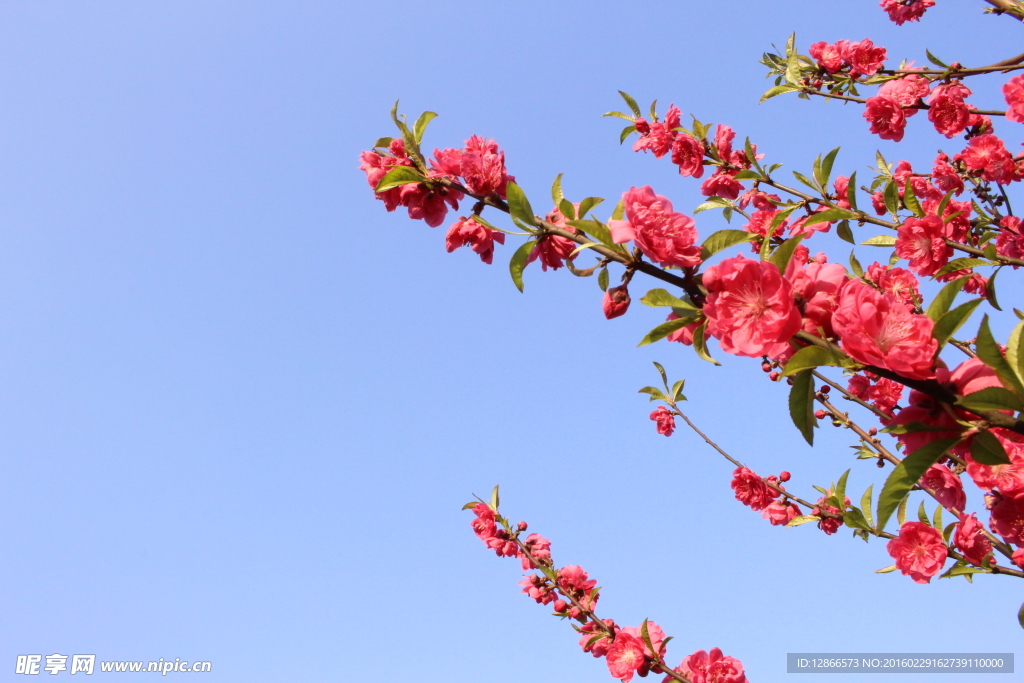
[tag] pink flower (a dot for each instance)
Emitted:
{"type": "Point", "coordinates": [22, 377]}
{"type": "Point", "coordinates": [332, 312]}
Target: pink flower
{"type": "Point", "coordinates": [799, 226]}
{"type": "Point", "coordinates": [816, 292]}
{"type": "Point", "coordinates": [750, 307]}
{"type": "Point", "coordinates": [539, 547]}
{"type": "Point", "coordinates": [1018, 558]}
{"type": "Point", "coordinates": [948, 488]}
{"type": "Point", "coordinates": [538, 588]}
{"type": "Point", "coordinates": [758, 199]}
{"type": "Point", "coordinates": [660, 135]}
{"type": "Point", "coordinates": [865, 58]}
{"type": "Point", "coordinates": [683, 335]}
{"type": "Point", "coordinates": [970, 539]}
{"type": "Point", "coordinates": [906, 91]}
{"type": "Point", "coordinates": [483, 167]}
{"type": "Point", "coordinates": [615, 302]}
{"type": "Point", "coordinates": [667, 237]}
{"type": "Point", "coordinates": [875, 329]}
{"type": "Point", "coordinates": [722, 184]}
{"type": "Point", "coordinates": [666, 421]}
{"type": "Point", "coordinates": [751, 490]}
{"type": "Point", "coordinates": [483, 524]}
{"type": "Point", "coordinates": [899, 282]}
{"type": "Point", "coordinates": [625, 656]}
{"type": "Point", "coordinates": [656, 634]}
{"type": "Point", "coordinates": [947, 110]}
{"type": "Point", "coordinates": [884, 394]}
{"type": "Point", "coordinates": [711, 667]}
{"type": "Point", "coordinates": [600, 646]}
{"type": "Point", "coordinates": [1009, 478]}
{"type": "Point", "coordinates": [886, 117]}
{"type": "Point", "coordinates": [552, 250]}
{"type": "Point", "coordinates": [842, 186]}
{"type": "Point", "coordinates": [573, 581]}
{"type": "Point", "coordinates": [945, 177]}
{"type": "Point", "coordinates": [922, 242]}
{"type": "Point", "coordinates": [1013, 91]}
{"type": "Point", "coordinates": [478, 237]}
{"type": "Point", "coordinates": [724, 135]}
{"type": "Point", "coordinates": [781, 512]}
{"type": "Point", "coordinates": [830, 57]}
{"type": "Point", "coordinates": [1008, 518]}
{"type": "Point", "coordinates": [988, 155]}
{"type": "Point", "coordinates": [829, 525]}
{"type": "Point", "coordinates": [901, 11]}
{"type": "Point", "coordinates": [1010, 241]}
{"type": "Point", "coordinates": [688, 155]}
{"type": "Point", "coordinates": [919, 551]}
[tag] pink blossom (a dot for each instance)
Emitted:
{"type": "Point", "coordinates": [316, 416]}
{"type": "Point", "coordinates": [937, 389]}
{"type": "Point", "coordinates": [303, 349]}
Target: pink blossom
{"type": "Point", "coordinates": [956, 217]}
{"type": "Point", "coordinates": [829, 525]}
{"type": "Point", "coordinates": [1008, 518]}
{"type": "Point", "coordinates": [666, 421]}
{"type": "Point", "coordinates": [899, 282]}
{"type": "Point", "coordinates": [800, 227]}
{"type": "Point", "coordinates": [876, 329]}
{"type": "Point", "coordinates": [751, 490]}
{"type": "Point", "coordinates": [988, 155]}
{"type": "Point", "coordinates": [865, 58]}
{"type": "Point", "coordinates": [656, 634]}
{"type": "Point", "coordinates": [599, 647]}
{"type": "Point", "coordinates": [886, 117]}
{"type": "Point", "coordinates": [760, 222]}
{"type": "Point", "coordinates": [615, 302]}
{"type": "Point", "coordinates": [758, 199]}
{"type": "Point", "coordinates": [781, 512]}
{"type": "Point", "coordinates": [906, 91]}
{"type": "Point", "coordinates": [483, 167]}
{"type": "Point", "coordinates": [667, 237]}
{"type": "Point", "coordinates": [830, 57]}
{"type": "Point", "coordinates": [683, 335]}
{"type": "Point", "coordinates": [816, 293]}
{"type": "Point", "coordinates": [1008, 478]}
{"type": "Point", "coordinates": [922, 242]}
{"type": "Point", "coordinates": [978, 124]}
{"type": "Point", "coordinates": [724, 135]}
{"type": "Point", "coordinates": [551, 249]}
{"type": "Point", "coordinates": [882, 393]}
{"type": "Point", "coordinates": [947, 110]}
{"type": "Point", "coordinates": [901, 11]}
{"type": "Point", "coordinates": [970, 539]}
{"type": "Point", "coordinates": [1013, 91]}
{"type": "Point", "coordinates": [483, 524]}
{"type": "Point", "coordinates": [1010, 240]}
{"type": "Point", "coordinates": [878, 203]}
{"type": "Point", "coordinates": [573, 581]}
{"type": "Point", "coordinates": [947, 487]}
{"type": "Point", "coordinates": [479, 238]}
{"type": "Point", "coordinates": [919, 551]}
{"type": "Point", "coordinates": [625, 656]}
{"type": "Point", "coordinates": [842, 186]}
{"type": "Point", "coordinates": [711, 667]}
{"type": "Point", "coordinates": [539, 547]}
{"type": "Point", "coordinates": [750, 307]}
{"type": "Point", "coordinates": [538, 588]}
{"type": "Point", "coordinates": [688, 155]}
{"type": "Point", "coordinates": [447, 162]}
{"type": "Point", "coordinates": [722, 184]}
{"type": "Point", "coordinates": [1018, 558]}
{"type": "Point", "coordinates": [660, 135]}
{"type": "Point", "coordinates": [945, 177]}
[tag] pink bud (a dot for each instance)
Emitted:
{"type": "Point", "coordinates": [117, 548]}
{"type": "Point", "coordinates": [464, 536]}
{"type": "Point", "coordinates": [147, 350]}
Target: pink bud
{"type": "Point", "coordinates": [784, 476]}
{"type": "Point", "coordinates": [773, 376]}
{"type": "Point", "coordinates": [642, 126]}
{"type": "Point", "coordinates": [561, 605]}
{"type": "Point", "coordinates": [615, 302]}
{"type": "Point", "coordinates": [820, 414]}
{"type": "Point", "coordinates": [767, 367]}
{"type": "Point", "coordinates": [522, 526]}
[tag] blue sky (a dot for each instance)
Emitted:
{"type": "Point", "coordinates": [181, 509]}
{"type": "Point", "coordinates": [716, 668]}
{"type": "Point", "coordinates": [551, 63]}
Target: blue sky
{"type": "Point", "coordinates": [241, 405]}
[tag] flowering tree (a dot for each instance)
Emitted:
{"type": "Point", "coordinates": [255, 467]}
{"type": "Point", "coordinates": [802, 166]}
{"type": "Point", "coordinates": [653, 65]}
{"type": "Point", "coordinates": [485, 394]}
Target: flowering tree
{"type": "Point", "coordinates": [930, 404]}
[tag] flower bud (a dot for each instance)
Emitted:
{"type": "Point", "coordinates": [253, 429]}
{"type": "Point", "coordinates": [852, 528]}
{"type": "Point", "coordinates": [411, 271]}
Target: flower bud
{"type": "Point", "coordinates": [819, 414]}
{"type": "Point", "coordinates": [642, 126]}
{"type": "Point", "coordinates": [561, 605]}
{"type": "Point", "coordinates": [522, 526]}
{"type": "Point", "coordinates": [615, 302]}
{"type": "Point", "coordinates": [766, 366]}
{"type": "Point", "coordinates": [784, 476]}
{"type": "Point", "coordinates": [773, 375]}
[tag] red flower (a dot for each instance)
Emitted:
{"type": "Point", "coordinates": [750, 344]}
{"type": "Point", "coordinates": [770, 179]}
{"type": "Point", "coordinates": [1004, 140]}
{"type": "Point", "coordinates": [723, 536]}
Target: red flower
{"type": "Point", "coordinates": [919, 551]}
{"type": "Point", "coordinates": [625, 656]}
{"type": "Point", "coordinates": [751, 490]}
{"type": "Point", "coordinates": [886, 117]}
{"type": "Point", "coordinates": [666, 421]}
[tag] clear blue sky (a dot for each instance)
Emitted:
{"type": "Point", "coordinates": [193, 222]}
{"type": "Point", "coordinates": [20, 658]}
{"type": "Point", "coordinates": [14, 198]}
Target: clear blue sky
{"type": "Point", "coordinates": [241, 405]}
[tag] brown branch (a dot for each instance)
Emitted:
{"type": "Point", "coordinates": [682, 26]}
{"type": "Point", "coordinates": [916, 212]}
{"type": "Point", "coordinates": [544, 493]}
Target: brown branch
{"type": "Point", "coordinates": [1010, 7]}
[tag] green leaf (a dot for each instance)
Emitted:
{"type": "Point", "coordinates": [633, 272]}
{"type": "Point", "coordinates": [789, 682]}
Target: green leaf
{"type": "Point", "coordinates": [747, 174]}
{"type": "Point", "coordinates": [556, 193]}
{"type": "Point", "coordinates": [495, 499]}
{"type": "Point", "coordinates": [906, 475]}
{"type": "Point", "coordinates": [656, 394]}
{"type": "Point", "coordinates": [990, 291]}
{"type": "Point", "coordinates": [937, 517]}
{"type": "Point", "coordinates": [901, 511]}
{"type": "Point", "coordinates": [602, 279]}
{"type": "Point", "coordinates": [883, 166]}
{"type": "Point", "coordinates": [944, 299]}
{"type": "Point", "coordinates": [886, 570]}
{"type": "Point", "coordinates": [851, 191]}
{"type": "Point", "coordinates": [803, 519]}
{"type": "Point", "coordinates": [665, 329]}
{"type": "Point", "coordinates": [880, 241]}
{"type": "Point", "coordinates": [626, 132]}
{"type": "Point", "coordinates": [399, 175]}
{"type": "Point", "coordinates": [855, 266]}
{"type": "Point", "coordinates": [844, 233]}
{"type": "Point", "coordinates": [865, 504]}
{"type": "Point", "coordinates": [1020, 616]}
{"type": "Point", "coordinates": [805, 180]}
{"type": "Point", "coordinates": [720, 204]}
{"type": "Point", "coordinates": [826, 166]}
{"type": "Point", "coordinates": [723, 239]}
{"type": "Point", "coordinates": [961, 264]}
{"type": "Point", "coordinates": [587, 204]}
{"type": "Point", "coordinates": [935, 60]}
{"type": "Point", "coordinates": [777, 90]}
{"type": "Point", "coordinates": [801, 405]}
{"type": "Point", "coordinates": [654, 109]}
{"type": "Point", "coordinates": [910, 200]}
{"type": "Point", "coordinates": [677, 390]}
{"type": "Point", "coordinates": [567, 209]}
{"type": "Point", "coordinates": [420, 126]}
{"type": "Point", "coordinates": [941, 211]}
{"type": "Point", "coordinates": [829, 216]}
{"type": "Point", "coordinates": [618, 115]}
{"type": "Point", "coordinates": [950, 322]}
{"type": "Point", "coordinates": [619, 211]}
{"type": "Point", "coordinates": [811, 357]}
{"type": "Point", "coordinates": [784, 252]}
{"type": "Point", "coordinates": [1015, 351]}
{"type": "Point", "coordinates": [385, 143]}
{"type": "Point", "coordinates": [519, 205]}
{"type": "Point", "coordinates": [891, 197]}
{"type": "Point", "coordinates": [854, 518]}
{"type": "Point", "coordinates": [661, 297]}
{"type": "Point", "coordinates": [992, 398]}
{"type": "Point", "coordinates": [922, 514]}
{"type": "Point", "coordinates": [596, 229]}
{"type": "Point", "coordinates": [518, 262]}
{"type": "Point", "coordinates": [986, 449]}
{"type": "Point", "coordinates": [988, 352]}
{"type": "Point", "coordinates": [700, 344]}
{"type": "Point", "coordinates": [633, 106]}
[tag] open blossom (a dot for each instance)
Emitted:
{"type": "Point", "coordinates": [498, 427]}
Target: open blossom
{"type": "Point", "coordinates": [886, 117]}
{"type": "Point", "coordinates": [865, 58]}
{"type": "Point", "coordinates": [688, 155]}
{"type": "Point", "coordinates": [948, 488]}
{"type": "Point", "coordinates": [712, 667]}
{"type": "Point", "coordinates": [781, 512]}
{"type": "Point", "coordinates": [483, 524]}
{"type": "Point", "coordinates": [751, 490]}
{"type": "Point", "coordinates": [876, 329]}
{"type": "Point", "coordinates": [988, 155]}
{"type": "Point", "coordinates": [683, 335]}
{"type": "Point", "coordinates": [601, 641]}
{"type": "Point", "coordinates": [539, 547]}
{"type": "Point", "coordinates": [479, 238]}
{"type": "Point", "coordinates": [901, 11]}
{"type": "Point", "coordinates": [830, 57]}
{"type": "Point", "coordinates": [1010, 240]}
{"type": "Point", "coordinates": [553, 250]}
{"type": "Point", "coordinates": [482, 167]}
{"type": "Point", "coordinates": [922, 242]}
{"type": "Point", "coordinates": [1008, 478]}
{"type": "Point", "coordinates": [945, 176]}
{"type": "Point", "coordinates": [906, 91]}
{"type": "Point", "coordinates": [538, 588]}
{"type": "Point", "coordinates": [750, 307]}
{"type": "Point", "coordinates": [722, 184]}
{"type": "Point", "coordinates": [1013, 91]}
{"type": "Point", "coordinates": [970, 539]}
{"type": "Point", "coordinates": [625, 656]}
{"type": "Point", "coordinates": [816, 289]}
{"type": "Point", "coordinates": [947, 110]}
{"type": "Point", "coordinates": [659, 135]}
{"type": "Point", "coordinates": [666, 421]}
{"type": "Point", "coordinates": [882, 393]}
{"type": "Point", "coordinates": [1008, 518]}
{"type": "Point", "coordinates": [899, 282]}
{"type": "Point", "coordinates": [655, 632]}
{"type": "Point", "coordinates": [919, 551]}
{"type": "Point", "coordinates": [667, 237]}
